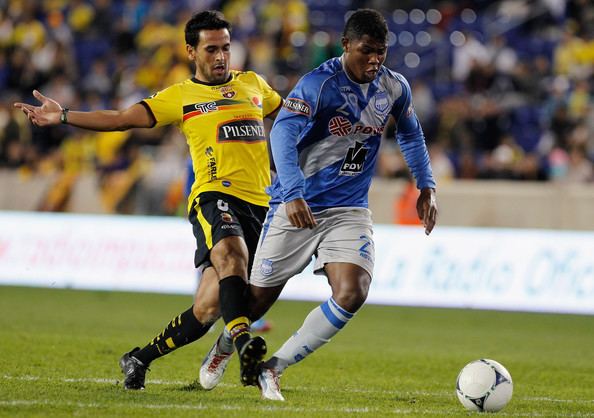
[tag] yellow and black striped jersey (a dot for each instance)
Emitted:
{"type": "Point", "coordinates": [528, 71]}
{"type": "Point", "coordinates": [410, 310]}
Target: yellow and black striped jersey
{"type": "Point", "coordinates": [224, 128]}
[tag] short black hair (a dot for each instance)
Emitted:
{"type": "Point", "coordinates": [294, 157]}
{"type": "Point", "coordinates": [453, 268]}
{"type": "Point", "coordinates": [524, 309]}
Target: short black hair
{"type": "Point", "coordinates": [366, 22]}
{"type": "Point", "coordinates": [207, 20]}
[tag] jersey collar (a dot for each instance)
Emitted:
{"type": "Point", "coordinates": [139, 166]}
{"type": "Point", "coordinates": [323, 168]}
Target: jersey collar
{"type": "Point", "coordinates": [195, 80]}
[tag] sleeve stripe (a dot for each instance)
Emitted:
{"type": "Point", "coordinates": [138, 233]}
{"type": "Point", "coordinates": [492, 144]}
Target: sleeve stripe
{"type": "Point", "coordinates": [150, 112]}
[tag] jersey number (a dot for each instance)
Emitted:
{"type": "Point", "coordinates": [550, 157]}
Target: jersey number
{"type": "Point", "coordinates": [222, 205]}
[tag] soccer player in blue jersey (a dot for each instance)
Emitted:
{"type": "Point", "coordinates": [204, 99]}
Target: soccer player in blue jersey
{"type": "Point", "coordinates": [325, 143]}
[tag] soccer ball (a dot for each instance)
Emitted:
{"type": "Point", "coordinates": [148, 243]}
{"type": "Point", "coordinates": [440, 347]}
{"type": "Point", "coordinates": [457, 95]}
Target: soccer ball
{"type": "Point", "coordinates": [484, 385]}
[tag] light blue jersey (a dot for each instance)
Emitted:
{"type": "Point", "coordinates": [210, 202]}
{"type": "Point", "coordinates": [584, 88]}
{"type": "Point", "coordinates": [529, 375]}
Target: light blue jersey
{"type": "Point", "coordinates": [326, 138]}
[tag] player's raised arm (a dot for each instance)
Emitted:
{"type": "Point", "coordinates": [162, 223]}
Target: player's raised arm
{"type": "Point", "coordinates": [50, 112]}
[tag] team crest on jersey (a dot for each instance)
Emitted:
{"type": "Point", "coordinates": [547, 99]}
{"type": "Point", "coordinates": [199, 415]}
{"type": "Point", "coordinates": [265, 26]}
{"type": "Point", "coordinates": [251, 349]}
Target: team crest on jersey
{"type": "Point", "coordinates": [226, 217]}
{"type": "Point", "coordinates": [266, 267]}
{"type": "Point", "coordinates": [297, 106]}
{"type": "Point", "coordinates": [340, 126]}
{"type": "Point", "coordinates": [354, 161]}
{"type": "Point", "coordinates": [380, 102]}
{"type": "Point", "coordinates": [227, 92]}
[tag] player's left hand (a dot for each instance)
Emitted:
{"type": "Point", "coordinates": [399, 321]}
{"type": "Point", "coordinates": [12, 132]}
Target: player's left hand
{"type": "Point", "coordinates": [427, 209]}
{"type": "Point", "coordinates": [300, 214]}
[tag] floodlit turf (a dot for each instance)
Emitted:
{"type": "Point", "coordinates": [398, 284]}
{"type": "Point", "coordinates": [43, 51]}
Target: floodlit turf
{"type": "Point", "coordinates": [59, 353]}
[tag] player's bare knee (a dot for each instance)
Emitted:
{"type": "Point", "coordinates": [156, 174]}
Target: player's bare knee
{"type": "Point", "coordinates": [350, 300]}
{"type": "Point", "coordinates": [206, 314]}
{"type": "Point", "coordinates": [351, 295]}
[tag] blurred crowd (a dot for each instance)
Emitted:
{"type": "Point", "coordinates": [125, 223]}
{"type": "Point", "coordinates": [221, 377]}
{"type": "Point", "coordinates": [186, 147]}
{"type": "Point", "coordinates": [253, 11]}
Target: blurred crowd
{"type": "Point", "coordinates": [504, 89]}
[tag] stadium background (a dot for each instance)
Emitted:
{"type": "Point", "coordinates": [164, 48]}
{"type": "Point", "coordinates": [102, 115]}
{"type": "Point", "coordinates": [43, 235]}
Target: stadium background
{"type": "Point", "coordinates": [503, 89]}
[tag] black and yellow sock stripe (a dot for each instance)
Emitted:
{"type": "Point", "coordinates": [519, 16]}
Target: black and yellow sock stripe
{"type": "Point", "coordinates": [181, 330]}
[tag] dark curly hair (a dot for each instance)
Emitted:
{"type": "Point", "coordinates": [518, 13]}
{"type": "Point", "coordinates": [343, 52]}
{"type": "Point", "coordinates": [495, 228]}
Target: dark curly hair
{"type": "Point", "coordinates": [207, 20]}
{"type": "Point", "coordinates": [366, 22]}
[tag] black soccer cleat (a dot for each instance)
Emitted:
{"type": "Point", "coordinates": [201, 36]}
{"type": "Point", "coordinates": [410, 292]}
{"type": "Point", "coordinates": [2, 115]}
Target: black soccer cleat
{"type": "Point", "coordinates": [134, 371]}
{"type": "Point", "coordinates": [250, 356]}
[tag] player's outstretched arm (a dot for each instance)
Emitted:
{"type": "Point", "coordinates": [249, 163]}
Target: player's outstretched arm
{"type": "Point", "coordinates": [50, 112]}
{"type": "Point", "coordinates": [427, 209]}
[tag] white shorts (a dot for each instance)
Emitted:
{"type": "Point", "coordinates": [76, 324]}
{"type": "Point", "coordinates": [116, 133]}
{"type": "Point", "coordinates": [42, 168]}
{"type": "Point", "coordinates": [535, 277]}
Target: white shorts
{"type": "Point", "coordinates": [343, 235]}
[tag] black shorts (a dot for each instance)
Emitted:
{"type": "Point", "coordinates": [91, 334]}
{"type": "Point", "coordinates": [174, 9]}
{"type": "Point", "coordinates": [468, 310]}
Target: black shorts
{"type": "Point", "coordinates": [220, 216]}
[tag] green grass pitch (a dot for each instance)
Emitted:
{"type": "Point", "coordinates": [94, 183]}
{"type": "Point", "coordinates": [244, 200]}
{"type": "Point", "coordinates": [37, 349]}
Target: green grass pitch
{"type": "Point", "coordinates": [59, 351]}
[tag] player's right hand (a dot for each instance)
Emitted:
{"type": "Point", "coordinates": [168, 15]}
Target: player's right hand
{"type": "Point", "coordinates": [300, 214]}
{"type": "Point", "coordinates": [47, 114]}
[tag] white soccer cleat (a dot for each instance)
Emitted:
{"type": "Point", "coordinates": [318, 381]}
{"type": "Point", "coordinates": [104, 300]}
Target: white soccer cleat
{"type": "Point", "coordinates": [213, 367]}
{"type": "Point", "coordinates": [269, 383]}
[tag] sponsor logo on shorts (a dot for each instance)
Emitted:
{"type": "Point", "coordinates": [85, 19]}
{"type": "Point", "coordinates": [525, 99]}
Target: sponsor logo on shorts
{"type": "Point", "coordinates": [266, 267]}
{"type": "Point", "coordinates": [229, 226]}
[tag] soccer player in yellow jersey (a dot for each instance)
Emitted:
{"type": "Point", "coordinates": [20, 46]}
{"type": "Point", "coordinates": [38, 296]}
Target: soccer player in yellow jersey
{"type": "Point", "coordinates": [221, 113]}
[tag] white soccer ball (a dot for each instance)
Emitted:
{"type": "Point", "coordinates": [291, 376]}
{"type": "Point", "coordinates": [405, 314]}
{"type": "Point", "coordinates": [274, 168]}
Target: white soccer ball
{"type": "Point", "coordinates": [484, 385]}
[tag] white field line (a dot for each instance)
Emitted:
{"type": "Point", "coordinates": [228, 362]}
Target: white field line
{"type": "Point", "coordinates": [263, 408]}
{"type": "Point", "coordinates": [439, 394]}
{"type": "Point", "coordinates": [195, 407]}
